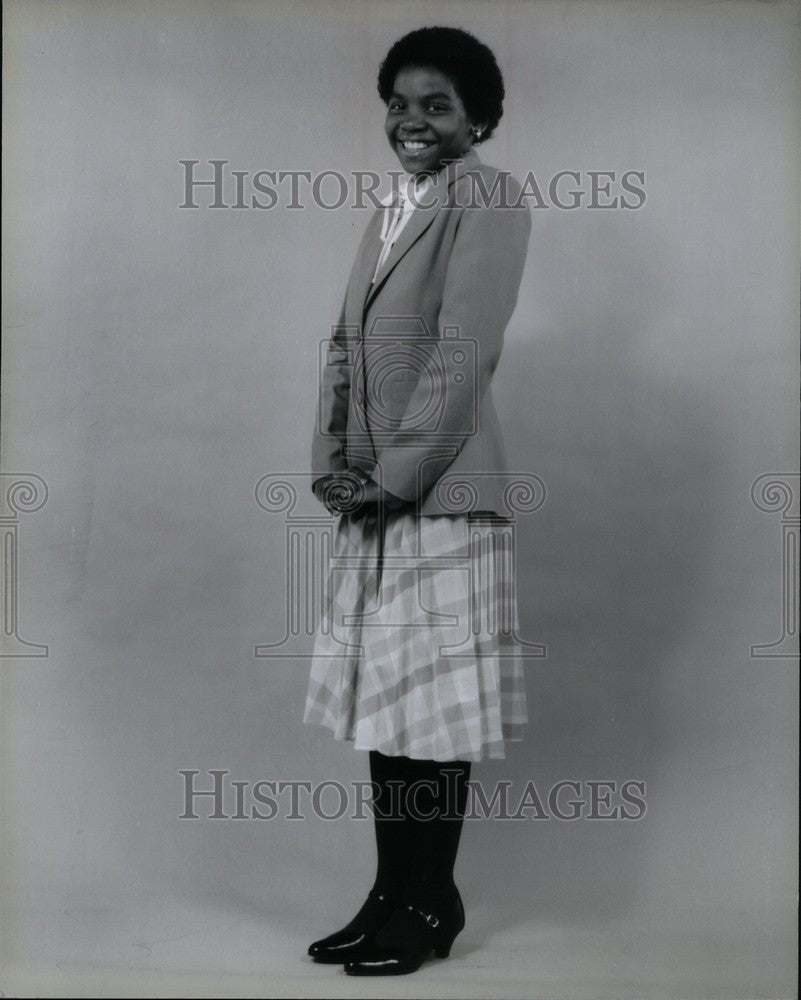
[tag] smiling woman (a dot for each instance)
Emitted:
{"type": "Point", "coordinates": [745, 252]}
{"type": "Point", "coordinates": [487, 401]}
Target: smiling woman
{"type": "Point", "coordinates": [442, 88]}
{"type": "Point", "coordinates": [427, 123]}
{"type": "Point", "coordinates": [416, 660]}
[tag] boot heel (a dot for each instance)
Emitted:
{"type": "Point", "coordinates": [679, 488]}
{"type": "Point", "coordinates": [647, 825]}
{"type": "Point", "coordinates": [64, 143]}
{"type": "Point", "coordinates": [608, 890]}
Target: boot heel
{"type": "Point", "coordinates": [443, 948]}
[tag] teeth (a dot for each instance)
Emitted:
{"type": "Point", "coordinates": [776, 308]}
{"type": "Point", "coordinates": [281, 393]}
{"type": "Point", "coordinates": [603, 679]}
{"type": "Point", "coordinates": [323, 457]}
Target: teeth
{"type": "Point", "coordinates": [413, 144]}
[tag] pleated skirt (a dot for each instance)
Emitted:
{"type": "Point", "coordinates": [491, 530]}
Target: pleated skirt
{"type": "Point", "coordinates": [416, 652]}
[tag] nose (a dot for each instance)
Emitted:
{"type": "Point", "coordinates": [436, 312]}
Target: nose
{"type": "Point", "coordinates": [412, 124]}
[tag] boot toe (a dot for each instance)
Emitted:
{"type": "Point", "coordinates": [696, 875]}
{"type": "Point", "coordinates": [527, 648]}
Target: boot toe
{"type": "Point", "coordinates": [338, 947]}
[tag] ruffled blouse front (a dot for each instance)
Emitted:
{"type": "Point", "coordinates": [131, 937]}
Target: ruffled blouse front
{"type": "Point", "coordinates": [399, 207]}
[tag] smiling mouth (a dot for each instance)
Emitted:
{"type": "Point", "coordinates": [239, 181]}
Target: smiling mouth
{"type": "Point", "coordinates": [415, 145]}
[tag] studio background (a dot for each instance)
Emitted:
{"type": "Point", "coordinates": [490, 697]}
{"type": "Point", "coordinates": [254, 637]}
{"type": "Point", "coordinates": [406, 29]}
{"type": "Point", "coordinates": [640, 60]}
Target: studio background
{"type": "Point", "coordinates": [158, 362]}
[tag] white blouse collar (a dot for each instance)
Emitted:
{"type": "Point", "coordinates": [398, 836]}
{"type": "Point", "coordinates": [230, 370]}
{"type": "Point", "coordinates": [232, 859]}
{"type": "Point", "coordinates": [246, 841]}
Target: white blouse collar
{"type": "Point", "coordinates": [406, 185]}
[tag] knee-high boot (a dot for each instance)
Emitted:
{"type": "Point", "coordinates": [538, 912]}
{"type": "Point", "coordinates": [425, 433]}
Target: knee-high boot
{"type": "Point", "coordinates": [432, 913]}
{"type": "Point", "coordinates": [391, 834]}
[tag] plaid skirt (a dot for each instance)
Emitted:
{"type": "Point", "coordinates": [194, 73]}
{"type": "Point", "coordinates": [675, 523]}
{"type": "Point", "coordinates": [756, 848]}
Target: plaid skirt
{"type": "Point", "coordinates": [416, 652]}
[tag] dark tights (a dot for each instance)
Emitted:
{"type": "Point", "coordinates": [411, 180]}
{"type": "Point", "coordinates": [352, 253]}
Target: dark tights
{"type": "Point", "coordinates": [416, 854]}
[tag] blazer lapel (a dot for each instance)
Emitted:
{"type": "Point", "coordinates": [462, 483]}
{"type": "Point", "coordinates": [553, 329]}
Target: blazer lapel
{"type": "Point", "coordinates": [421, 218]}
{"type": "Point", "coordinates": [366, 260]}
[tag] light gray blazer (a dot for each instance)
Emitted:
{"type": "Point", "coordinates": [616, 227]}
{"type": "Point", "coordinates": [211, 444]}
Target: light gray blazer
{"type": "Point", "coordinates": [405, 387]}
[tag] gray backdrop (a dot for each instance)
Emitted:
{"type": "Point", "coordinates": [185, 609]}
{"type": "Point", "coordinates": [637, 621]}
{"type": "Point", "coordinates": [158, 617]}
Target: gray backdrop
{"type": "Point", "coordinates": [158, 362]}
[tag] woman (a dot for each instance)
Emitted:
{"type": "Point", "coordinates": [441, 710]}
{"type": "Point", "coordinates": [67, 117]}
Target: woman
{"type": "Point", "coordinates": [410, 663]}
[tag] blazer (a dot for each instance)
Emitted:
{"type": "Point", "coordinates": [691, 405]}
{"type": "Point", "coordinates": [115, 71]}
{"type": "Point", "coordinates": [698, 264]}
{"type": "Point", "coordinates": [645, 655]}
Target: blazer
{"type": "Point", "coordinates": [405, 387]}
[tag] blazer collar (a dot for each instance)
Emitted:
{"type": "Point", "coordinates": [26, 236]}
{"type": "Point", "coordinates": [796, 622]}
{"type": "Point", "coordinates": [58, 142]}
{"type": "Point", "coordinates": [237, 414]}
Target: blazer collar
{"type": "Point", "coordinates": [430, 203]}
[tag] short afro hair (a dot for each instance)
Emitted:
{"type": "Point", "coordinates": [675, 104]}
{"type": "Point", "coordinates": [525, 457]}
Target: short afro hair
{"type": "Point", "coordinates": [459, 55]}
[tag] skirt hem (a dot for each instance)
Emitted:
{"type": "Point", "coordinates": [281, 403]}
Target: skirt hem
{"type": "Point", "coordinates": [489, 751]}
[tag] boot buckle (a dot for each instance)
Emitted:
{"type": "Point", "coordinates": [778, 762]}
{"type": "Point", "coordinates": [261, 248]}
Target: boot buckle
{"type": "Point", "coordinates": [430, 918]}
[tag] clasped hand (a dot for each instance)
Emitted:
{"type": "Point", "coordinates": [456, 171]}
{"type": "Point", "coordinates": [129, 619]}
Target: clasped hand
{"type": "Point", "coordinates": [352, 492]}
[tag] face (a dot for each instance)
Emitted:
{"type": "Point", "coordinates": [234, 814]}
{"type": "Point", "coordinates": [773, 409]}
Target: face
{"type": "Point", "coordinates": [426, 123]}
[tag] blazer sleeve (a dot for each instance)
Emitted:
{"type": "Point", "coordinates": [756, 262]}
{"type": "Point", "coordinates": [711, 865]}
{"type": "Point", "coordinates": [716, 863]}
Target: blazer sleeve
{"type": "Point", "coordinates": [334, 381]}
{"type": "Point", "coordinates": [479, 296]}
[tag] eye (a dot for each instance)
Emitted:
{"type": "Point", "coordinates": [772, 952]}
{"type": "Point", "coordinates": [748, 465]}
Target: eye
{"type": "Point", "coordinates": [437, 108]}
{"type": "Point", "coordinates": [395, 106]}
